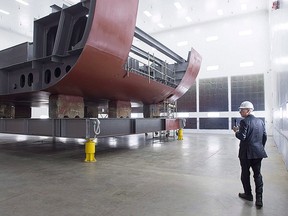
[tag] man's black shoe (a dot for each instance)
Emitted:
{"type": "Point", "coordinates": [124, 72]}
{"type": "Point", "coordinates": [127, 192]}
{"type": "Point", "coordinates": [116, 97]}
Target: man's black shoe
{"type": "Point", "coordinates": [245, 196]}
{"type": "Point", "coordinates": [259, 202]}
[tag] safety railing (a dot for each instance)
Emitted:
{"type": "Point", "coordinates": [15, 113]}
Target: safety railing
{"type": "Point", "coordinates": [153, 69]}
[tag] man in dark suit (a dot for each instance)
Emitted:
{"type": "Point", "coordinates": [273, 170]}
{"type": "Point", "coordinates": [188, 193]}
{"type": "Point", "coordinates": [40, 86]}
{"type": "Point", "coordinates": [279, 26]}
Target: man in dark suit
{"type": "Point", "coordinates": [252, 135]}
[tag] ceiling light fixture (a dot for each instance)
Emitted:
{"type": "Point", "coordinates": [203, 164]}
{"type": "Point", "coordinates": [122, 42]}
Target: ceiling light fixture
{"type": "Point", "coordinates": [178, 5]}
{"type": "Point", "coordinates": [147, 13]}
{"type": "Point", "coordinates": [4, 12]}
{"type": "Point", "coordinates": [22, 2]}
{"type": "Point", "coordinates": [160, 25]}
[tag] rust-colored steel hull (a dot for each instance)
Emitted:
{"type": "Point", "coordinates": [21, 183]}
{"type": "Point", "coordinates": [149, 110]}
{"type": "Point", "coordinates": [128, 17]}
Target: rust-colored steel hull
{"type": "Point", "coordinates": [189, 77]}
{"type": "Point", "coordinates": [99, 73]}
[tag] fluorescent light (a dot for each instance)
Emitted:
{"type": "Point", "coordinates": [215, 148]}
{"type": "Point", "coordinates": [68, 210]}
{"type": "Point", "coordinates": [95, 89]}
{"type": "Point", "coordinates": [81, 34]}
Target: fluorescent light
{"type": "Point", "coordinates": [4, 12]}
{"type": "Point", "coordinates": [22, 2]}
{"type": "Point", "coordinates": [247, 64]}
{"type": "Point", "coordinates": [213, 114]}
{"type": "Point", "coordinates": [243, 6]}
{"type": "Point", "coordinates": [245, 32]}
{"type": "Point", "coordinates": [211, 38]}
{"type": "Point", "coordinates": [188, 19]}
{"type": "Point", "coordinates": [161, 25]}
{"type": "Point", "coordinates": [212, 67]}
{"type": "Point", "coordinates": [147, 13]}
{"type": "Point", "coordinates": [220, 12]}
{"type": "Point", "coordinates": [178, 5]}
{"type": "Point", "coordinates": [182, 43]}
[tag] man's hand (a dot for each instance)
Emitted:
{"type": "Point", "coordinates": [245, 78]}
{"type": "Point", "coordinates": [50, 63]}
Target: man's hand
{"type": "Point", "coordinates": [235, 129]}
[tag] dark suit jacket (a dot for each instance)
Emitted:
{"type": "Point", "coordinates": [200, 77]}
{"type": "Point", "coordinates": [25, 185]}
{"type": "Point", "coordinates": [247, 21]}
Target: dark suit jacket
{"type": "Point", "coordinates": [252, 136]}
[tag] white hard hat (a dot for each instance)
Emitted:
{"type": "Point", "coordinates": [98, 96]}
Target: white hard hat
{"type": "Point", "coordinates": [246, 105]}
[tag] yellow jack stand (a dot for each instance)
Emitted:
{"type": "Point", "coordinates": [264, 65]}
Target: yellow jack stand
{"type": "Point", "coordinates": [90, 150]}
{"type": "Point", "coordinates": [180, 134]}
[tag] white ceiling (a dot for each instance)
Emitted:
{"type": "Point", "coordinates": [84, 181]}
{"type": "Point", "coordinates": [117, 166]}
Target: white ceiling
{"type": "Point", "coordinates": [165, 15]}
{"type": "Point", "coordinates": [192, 12]}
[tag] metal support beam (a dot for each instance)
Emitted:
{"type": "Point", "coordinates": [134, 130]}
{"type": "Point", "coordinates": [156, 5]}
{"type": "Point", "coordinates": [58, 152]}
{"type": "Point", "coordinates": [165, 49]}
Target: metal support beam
{"type": "Point", "coordinates": [85, 127]}
{"type": "Point", "coordinates": [145, 55]}
{"type": "Point", "coordinates": [141, 35]}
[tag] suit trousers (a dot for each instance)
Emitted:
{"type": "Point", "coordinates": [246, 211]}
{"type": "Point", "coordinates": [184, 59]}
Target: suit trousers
{"type": "Point", "coordinates": [255, 164]}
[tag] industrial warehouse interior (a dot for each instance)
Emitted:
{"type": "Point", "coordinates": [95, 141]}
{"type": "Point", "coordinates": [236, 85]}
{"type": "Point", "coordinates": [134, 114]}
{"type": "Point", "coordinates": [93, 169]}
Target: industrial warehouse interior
{"type": "Point", "coordinates": [127, 107]}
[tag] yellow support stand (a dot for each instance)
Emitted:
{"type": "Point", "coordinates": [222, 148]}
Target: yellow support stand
{"type": "Point", "coordinates": [180, 134]}
{"type": "Point", "coordinates": [90, 150]}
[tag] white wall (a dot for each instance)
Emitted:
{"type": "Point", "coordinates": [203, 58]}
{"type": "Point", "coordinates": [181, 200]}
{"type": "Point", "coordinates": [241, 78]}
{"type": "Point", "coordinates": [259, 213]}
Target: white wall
{"type": "Point", "coordinates": [230, 49]}
{"type": "Point", "coordinates": [9, 39]}
{"type": "Point", "coordinates": [279, 71]}
{"type": "Point", "coordinates": [228, 52]}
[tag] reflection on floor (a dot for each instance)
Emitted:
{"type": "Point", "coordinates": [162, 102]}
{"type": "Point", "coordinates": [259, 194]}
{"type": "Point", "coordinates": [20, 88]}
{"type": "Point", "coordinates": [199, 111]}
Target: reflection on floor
{"type": "Point", "coordinates": [134, 175]}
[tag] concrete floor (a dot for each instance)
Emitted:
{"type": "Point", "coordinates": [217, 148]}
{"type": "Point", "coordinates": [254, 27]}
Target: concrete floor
{"type": "Point", "coordinates": [134, 176]}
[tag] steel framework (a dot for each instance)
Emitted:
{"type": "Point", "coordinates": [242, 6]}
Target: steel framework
{"type": "Point", "coordinates": [85, 128]}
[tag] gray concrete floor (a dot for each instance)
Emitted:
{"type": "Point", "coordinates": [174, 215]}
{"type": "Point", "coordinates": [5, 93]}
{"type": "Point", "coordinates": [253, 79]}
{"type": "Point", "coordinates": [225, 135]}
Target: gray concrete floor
{"type": "Point", "coordinates": [134, 176]}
